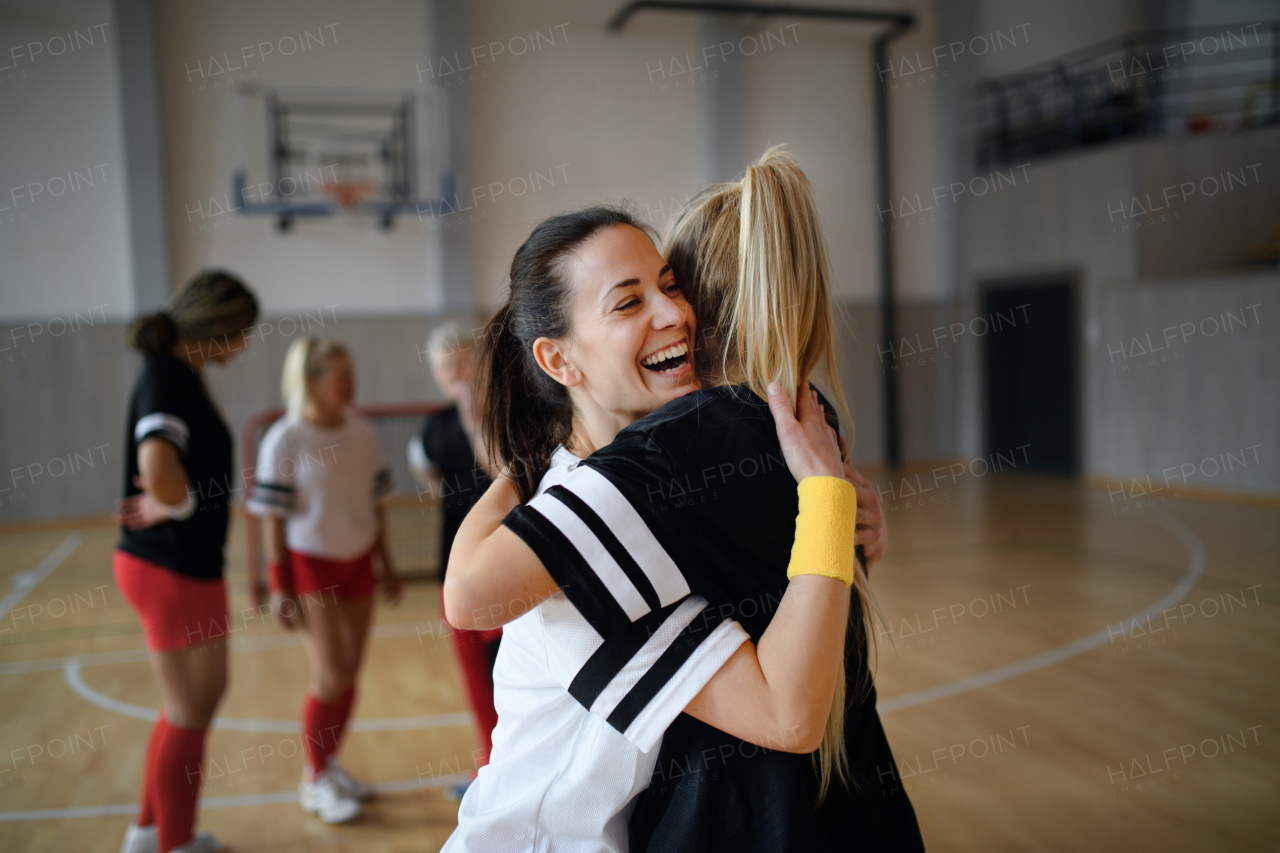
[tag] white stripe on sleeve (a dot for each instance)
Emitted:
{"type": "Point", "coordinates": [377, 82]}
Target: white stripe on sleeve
{"type": "Point", "coordinates": [171, 427]}
{"type": "Point", "coordinates": [647, 729]}
{"type": "Point", "coordinates": [418, 460]}
{"type": "Point", "coordinates": [621, 517]}
{"type": "Point", "coordinates": [649, 653]}
{"type": "Point", "coordinates": [597, 556]}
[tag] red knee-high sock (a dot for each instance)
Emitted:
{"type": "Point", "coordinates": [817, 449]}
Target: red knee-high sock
{"type": "Point", "coordinates": [320, 731]}
{"type": "Point", "coordinates": [472, 648]}
{"type": "Point", "coordinates": [175, 774]}
{"type": "Point", "coordinates": [146, 813]}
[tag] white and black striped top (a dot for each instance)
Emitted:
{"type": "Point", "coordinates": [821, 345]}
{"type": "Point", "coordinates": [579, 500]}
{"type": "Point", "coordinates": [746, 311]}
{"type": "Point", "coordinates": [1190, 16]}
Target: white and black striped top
{"type": "Point", "coordinates": [580, 717]}
{"type": "Point", "coordinates": [635, 657]}
{"type": "Point", "coordinates": [697, 497]}
{"type": "Point", "coordinates": [169, 402]}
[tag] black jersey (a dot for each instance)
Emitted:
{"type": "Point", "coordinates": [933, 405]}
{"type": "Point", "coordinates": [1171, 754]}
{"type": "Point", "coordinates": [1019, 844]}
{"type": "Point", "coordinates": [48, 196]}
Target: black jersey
{"type": "Point", "coordinates": [706, 476]}
{"type": "Point", "coordinates": [448, 449]}
{"type": "Point", "coordinates": [170, 402]}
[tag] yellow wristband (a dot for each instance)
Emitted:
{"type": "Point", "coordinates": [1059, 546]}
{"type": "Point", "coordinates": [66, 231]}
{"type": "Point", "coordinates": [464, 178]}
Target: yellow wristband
{"type": "Point", "coordinates": [825, 529]}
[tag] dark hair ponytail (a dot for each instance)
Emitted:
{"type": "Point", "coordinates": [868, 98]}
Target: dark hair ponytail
{"type": "Point", "coordinates": [152, 333]}
{"type": "Point", "coordinates": [524, 414]}
{"type": "Point", "coordinates": [213, 304]}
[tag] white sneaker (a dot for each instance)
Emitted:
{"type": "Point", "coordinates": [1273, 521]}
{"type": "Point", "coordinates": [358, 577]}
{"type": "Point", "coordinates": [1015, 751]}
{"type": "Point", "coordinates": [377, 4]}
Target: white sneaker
{"type": "Point", "coordinates": [201, 842]}
{"type": "Point", "coordinates": [140, 839]}
{"type": "Point", "coordinates": [351, 786]}
{"type": "Point", "coordinates": [325, 800]}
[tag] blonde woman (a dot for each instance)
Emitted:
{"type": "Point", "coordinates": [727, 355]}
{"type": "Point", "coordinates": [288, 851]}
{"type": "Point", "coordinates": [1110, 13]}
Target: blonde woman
{"type": "Point", "coordinates": [318, 484]}
{"type": "Point", "coordinates": [691, 499]}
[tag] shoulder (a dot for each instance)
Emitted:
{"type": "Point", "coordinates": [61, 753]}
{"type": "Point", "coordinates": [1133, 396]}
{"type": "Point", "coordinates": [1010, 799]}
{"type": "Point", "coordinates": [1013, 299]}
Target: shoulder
{"type": "Point", "coordinates": [563, 463]}
{"type": "Point", "coordinates": [713, 407]}
{"type": "Point", "coordinates": [162, 372]}
{"type": "Point", "coordinates": [360, 425]}
{"type": "Point", "coordinates": [279, 437]}
{"type": "Point", "coordinates": [701, 423]}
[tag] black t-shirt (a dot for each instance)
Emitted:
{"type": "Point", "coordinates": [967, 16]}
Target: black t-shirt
{"type": "Point", "coordinates": [707, 476]}
{"type": "Point", "coordinates": [170, 402]}
{"type": "Point", "coordinates": [448, 449]}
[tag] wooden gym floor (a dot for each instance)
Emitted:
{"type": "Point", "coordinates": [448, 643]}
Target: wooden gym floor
{"type": "Point", "coordinates": [1074, 670]}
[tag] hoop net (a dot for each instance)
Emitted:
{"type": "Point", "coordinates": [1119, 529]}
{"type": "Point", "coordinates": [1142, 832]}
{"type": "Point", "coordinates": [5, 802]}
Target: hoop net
{"type": "Point", "coordinates": [349, 194]}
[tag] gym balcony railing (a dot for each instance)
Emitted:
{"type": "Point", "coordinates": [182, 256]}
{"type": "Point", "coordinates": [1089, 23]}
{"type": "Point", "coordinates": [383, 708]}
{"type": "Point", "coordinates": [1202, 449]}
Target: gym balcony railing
{"type": "Point", "coordinates": [1144, 84]}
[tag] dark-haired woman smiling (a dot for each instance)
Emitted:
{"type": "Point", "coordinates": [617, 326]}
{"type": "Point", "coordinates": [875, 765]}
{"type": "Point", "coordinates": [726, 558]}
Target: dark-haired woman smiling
{"type": "Point", "coordinates": [168, 563]}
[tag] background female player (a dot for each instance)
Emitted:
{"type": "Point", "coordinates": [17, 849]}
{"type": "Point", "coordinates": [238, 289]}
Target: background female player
{"type": "Point", "coordinates": [561, 777]}
{"type": "Point", "coordinates": [319, 479]}
{"type": "Point", "coordinates": [449, 459]}
{"type": "Point", "coordinates": [770, 306]}
{"type": "Point", "coordinates": [168, 564]}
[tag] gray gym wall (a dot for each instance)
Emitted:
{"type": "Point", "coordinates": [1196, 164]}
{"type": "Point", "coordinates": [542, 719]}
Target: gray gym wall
{"type": "Point", "coordinates": [657, 137]}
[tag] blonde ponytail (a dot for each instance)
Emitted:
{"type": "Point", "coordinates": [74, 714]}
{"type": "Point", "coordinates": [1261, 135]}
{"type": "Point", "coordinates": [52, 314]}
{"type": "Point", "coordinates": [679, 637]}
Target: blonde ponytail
{"type": "Point", "coordinates": [754, 260]}
{"type": "Point", "coordinates": [307, 358]}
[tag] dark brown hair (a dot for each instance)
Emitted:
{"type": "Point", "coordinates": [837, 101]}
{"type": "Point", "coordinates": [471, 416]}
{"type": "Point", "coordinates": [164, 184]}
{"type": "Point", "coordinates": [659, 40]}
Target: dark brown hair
{"type": "Point", "coordinates": [524, 414]}
{"type": "Point", "coordinates": [213, 304]}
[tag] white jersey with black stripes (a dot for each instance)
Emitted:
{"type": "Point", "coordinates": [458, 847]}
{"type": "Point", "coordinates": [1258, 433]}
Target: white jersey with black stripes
{"type": "Point", "coordinates": [580, 719]}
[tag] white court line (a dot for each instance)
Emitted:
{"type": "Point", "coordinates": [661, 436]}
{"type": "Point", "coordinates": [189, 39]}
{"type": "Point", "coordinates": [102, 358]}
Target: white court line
{"type": "Point", "coordinates": [393, 630]}
{"type": "Point", "coordinates": [290, 796]}
{"type": "Point", "coordinates": [71, 673]}
{"type": "Point", "coordinates": [24, 582]}
{"type": "Point", "coordinates": [1171, 524]}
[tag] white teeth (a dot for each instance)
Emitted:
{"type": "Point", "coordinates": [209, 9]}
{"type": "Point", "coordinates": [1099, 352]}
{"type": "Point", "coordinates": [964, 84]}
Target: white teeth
{"type": "Point", "coordinates": [670, 352]}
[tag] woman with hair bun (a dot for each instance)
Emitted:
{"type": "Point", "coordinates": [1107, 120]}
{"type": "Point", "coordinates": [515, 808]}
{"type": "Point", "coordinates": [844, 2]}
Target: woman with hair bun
{"type": "Point", "coordinates": [168, 563]}
{"type": "Point", "coordinates": [319, 482]}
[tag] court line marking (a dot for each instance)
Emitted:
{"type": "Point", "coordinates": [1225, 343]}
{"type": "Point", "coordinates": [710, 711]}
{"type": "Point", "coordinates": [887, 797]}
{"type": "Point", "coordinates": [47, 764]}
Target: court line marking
{"type": "Point", "coordinates": [24, 582]}
{"type": "Point", "coordinates": [1171, 524]}
{"type": "Point", "coordinates": [291, 796]}
{"type": "Point", "coordinates": [71, 674]}
{"type": "Point", "coordinates": [393, 630]}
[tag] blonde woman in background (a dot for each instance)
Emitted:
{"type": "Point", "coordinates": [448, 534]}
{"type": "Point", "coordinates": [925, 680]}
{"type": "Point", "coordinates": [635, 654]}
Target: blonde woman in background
{"type": "Point", "coordinates": [318, 484]}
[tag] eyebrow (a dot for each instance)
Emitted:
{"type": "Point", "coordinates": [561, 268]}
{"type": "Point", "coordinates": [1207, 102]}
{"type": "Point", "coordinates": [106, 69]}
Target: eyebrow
{"type": "Point", "coordinates": [631, 282]}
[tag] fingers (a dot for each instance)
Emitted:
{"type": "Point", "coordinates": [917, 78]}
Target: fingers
{"type": "Point", "coordinates": [780, 406]}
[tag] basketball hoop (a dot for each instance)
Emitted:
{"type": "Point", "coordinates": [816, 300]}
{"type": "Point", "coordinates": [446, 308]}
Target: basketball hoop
{"type": "Point", "coordinates": [350, 193]}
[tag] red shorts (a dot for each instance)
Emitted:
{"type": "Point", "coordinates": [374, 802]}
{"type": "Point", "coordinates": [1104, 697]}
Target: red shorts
{"type": "Point", "coordinates": [347, 581]}
{"type": "Point", "coordinates": [175, 611]}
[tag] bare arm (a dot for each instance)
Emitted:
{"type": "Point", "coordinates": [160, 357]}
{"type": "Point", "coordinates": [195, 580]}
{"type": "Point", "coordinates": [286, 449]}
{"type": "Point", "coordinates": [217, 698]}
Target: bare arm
{"type": "Point", "coordinates": [391, 585]}
{"type": "Point", "coordinates": [493, 576]}
{"type": "Point", "coordinates": [273, 528]}
{"type": "Point", "coordinates": [778, 694]}
{"type": "Point", "coordinates": [164, 484]}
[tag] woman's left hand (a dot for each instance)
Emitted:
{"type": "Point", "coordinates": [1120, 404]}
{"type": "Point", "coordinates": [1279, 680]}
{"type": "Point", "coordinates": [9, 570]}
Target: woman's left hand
{"type": "Point", "coordinates": [872, 530]}
{"type": "Point", "coordinates": [809, 446]}
{"type": "Point", "coordinates": [139, 512]}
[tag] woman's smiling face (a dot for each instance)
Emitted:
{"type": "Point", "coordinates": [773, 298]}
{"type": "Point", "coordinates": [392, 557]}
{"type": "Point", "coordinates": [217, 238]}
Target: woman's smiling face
{"type": "Point", "coordinates": [630, 348]}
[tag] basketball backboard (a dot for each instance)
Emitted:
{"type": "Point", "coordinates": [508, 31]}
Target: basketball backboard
{"type": "Point", "coordinates": [313, 152]}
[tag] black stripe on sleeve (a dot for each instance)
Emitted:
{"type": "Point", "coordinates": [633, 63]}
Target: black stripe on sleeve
{"type": "Point", "coordinates": [608, 660]}
{"type": "Point", "coordinates": [665, 667]}
{"type": "Point", "coordinates": [569, 570]}
{"type": "Point", "coordinates": [275, 487]}
{"type": "Point", "coordinates": [615, 548]}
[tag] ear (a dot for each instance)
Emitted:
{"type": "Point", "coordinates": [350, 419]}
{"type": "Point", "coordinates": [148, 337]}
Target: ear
{"type": "Point", "coordinates": [552, 357]}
